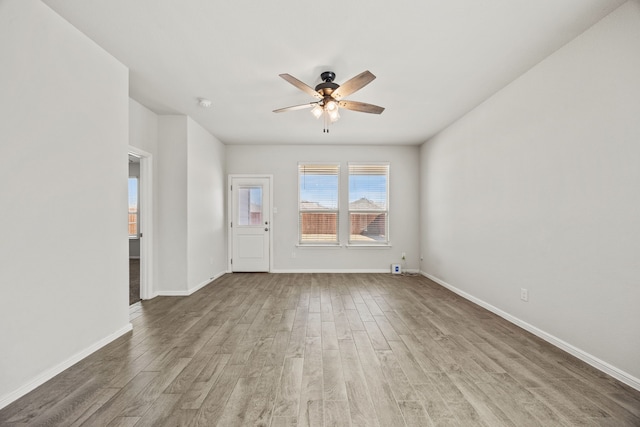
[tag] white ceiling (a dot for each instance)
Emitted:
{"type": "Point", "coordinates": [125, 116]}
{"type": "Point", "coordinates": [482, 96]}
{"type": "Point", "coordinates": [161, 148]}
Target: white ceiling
{"type": "Point", "coordinates": [434, 59]}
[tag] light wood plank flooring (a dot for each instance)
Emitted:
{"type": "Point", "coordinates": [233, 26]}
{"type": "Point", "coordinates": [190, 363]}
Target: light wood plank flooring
{"type": "Point", "coordinates": [326, 350]}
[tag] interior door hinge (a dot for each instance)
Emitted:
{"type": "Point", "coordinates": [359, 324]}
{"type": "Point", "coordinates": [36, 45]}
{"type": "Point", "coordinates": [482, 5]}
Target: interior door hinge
{"type": "Point", "coordinates": [231, 261]}
{"type": "Point", "coordinates": [231, 224]}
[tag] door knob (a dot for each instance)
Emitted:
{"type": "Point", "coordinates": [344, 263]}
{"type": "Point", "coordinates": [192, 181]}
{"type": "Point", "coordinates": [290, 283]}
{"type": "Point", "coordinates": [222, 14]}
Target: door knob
{"type": "Point", "coordinates": [266, 229]}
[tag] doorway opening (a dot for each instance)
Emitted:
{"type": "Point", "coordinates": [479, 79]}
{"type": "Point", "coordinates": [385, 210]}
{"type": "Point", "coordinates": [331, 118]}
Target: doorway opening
{"type": "Point", "coordinates": [140, 212]}
{"type": "Point", "coordinates": [134, 229]}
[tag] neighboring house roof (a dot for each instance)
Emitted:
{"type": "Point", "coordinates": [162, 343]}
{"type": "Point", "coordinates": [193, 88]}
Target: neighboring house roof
{"type": "Point", "coordinates": [364, 204]}
{"type": "Point", "coordinates": [312, 206]}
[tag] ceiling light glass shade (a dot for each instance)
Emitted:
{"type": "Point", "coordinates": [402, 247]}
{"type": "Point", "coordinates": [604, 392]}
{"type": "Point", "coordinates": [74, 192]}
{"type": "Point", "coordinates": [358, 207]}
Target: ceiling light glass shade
{"type": "Point", "coordinates": [331, 106]}
{"type": "Point", "coordinates": [317, 111]}
{"type": "Point", "coordinates": [334, 115]}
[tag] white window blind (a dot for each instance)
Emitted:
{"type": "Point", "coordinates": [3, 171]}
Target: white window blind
{"type": "Point", "coordinates": [369, 203]}
{"type": "Point", "coordinates": [318, 196]}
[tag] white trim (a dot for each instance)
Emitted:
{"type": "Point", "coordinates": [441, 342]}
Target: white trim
{"type": "Point", "coordinates": [597, 363]}
{"type": "Point", "coordinates": [146, 221]}
{"type": "Point", "coordinates": [50, 373]}
{"type": "Point", "coordinates": [319, 245]}
{"type": "Point", "coordinates": [135, 310]}
{"type": "Point", "coordinates": [172, 293]}
{"type": "Point", "coordinates": [206, 282]}
{"type": "Point", "coordinates": [192, 290]}
{"type": "Point", "coordinates": [346, 270]}
{"type": "Point", "coordinates": [369, 246]}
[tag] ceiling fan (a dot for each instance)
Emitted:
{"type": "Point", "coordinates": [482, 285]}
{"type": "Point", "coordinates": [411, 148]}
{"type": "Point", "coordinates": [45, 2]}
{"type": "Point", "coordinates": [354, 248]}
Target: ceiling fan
{"type": "Point", "coordinates": [330, 94]}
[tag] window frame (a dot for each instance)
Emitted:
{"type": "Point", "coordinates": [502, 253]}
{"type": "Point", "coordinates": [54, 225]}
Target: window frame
{"type": "Point", "coordinates": [372, 243]}
{"type": "Point", "coordinates": [336, 211]}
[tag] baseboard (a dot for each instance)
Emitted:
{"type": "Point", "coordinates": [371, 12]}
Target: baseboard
{"type": "Point", "coordinates": [172, 294]}
{"type": "Point", "coordinates": [191, 290]}
{"type": "Point", "coordinates": [346, 271]}
{"type": "Point", "coordinates": [588, 358]}
{"type": "Point", "coordinates": [205, 283]}
{"type": "Point", "coordinates": [50, 373]}
{"type": "Point", "coordinates": [316, 270]}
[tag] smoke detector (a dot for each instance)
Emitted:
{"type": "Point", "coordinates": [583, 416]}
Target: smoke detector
{"type": "Point", "coordinates": [204, 103]}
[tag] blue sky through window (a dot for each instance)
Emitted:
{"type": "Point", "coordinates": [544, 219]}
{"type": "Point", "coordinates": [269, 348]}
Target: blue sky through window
{"type": "Point", "coordinates": [133, 193]}
{"type": "Point", "coordinates": [321, 189]}
{"type": "Point", "coordinates": [371, 187]}
{"type": "Point", "coordinates": [255, 196]}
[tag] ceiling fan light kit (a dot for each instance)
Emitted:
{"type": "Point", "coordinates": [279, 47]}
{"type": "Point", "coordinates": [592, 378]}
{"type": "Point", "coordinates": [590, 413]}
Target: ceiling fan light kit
{"type": "Point", "coordinates": [329, 95]}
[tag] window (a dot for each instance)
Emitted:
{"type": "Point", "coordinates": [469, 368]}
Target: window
{"type": "Point", "coordinates": [249, 205]}
{"type": "Point", "coordinates": [368, 203]}
{"type": "Point", "coordinates": [133, 208]}
{"type": "Point", "coordinates": [318, 189]}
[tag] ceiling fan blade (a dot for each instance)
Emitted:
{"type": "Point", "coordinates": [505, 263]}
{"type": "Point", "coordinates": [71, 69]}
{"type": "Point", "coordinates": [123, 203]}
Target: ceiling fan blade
{"type": "Point", "coordinates": [354, 84]}
{"type": "Point", "coordinates": [361, 107]}
{"type": "Point", "coordinates": [295, 107]}
{"type": "Point", "coordinates": [300, 85]}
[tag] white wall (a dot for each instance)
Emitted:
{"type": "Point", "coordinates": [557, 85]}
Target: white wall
{"type": "Point", "coordinates": [539, 188]}
{"type": "Point", "coordinates": [143, 127]}
{"type": "Point", "coordinates": [282, 163]}
{"type": "Point", "coordinates": [191, 234]}
{"type": "Point", "coordinates": [172, 205]}
{"type": "Point", "coordinates": [143, 134]}
{"type": "Point", "coordinates": [206, 247]}
{"type": "Point", "coordinates": [63, 245]}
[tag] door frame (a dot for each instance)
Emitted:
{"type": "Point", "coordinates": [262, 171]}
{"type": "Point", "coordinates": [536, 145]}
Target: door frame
{"type": "Point", "coordinates": [146, 221]}
{"type": "Point", "coordinates": [230, 179]}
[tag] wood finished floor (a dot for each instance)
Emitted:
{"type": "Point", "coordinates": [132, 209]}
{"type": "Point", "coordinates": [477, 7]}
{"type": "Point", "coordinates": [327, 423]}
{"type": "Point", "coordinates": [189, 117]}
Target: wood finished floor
{"type": "Point", "coordinates": [326, 350]}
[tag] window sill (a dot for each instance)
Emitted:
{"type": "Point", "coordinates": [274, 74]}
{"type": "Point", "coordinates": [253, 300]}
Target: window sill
{"type": "Point", "coordinates": [319, 245]}
{"type": "Point", "coordinates": [368, 246]}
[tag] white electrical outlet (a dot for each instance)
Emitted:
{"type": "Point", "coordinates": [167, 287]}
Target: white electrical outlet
{"type": "Point", "coordinates": [524, 294]}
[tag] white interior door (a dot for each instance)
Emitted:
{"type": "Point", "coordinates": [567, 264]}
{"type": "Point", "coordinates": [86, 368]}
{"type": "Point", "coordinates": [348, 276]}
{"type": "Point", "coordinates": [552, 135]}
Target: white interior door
{"type": "Point", "coordinates": [250, 224]}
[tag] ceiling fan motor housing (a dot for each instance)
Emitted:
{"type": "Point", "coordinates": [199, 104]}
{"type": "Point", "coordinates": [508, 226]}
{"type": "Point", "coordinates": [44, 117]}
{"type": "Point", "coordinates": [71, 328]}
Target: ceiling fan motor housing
{"type": "Point", "coordinates": [327, 87]}
{"type": "Point", "coordinates": [328, 76]}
